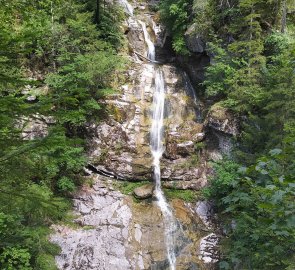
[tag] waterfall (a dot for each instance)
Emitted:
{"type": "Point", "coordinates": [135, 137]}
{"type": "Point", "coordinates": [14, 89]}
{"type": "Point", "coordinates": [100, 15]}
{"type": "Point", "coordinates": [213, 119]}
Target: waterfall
{"type": "Point", "coordinates": [192, 93]}
{"type": "Point", "coordinates": [157, 149]}
{"type": "Point", "coordinates": [127, 7]}
{"type": "Point", "coordinates": [151, 55]}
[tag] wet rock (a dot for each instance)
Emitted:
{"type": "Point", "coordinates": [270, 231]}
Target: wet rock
{"type": "Point", "coordinates": [135, 36]}
{"type": "Point", "coordinates": [194, 41]}
{"type": "Point", "coordinates": [204, 210]}
{"type": "Point", "coordinates": [215, 155]}
{"type": "Point", "coordinates": [181, 212]}
{"type": "Point", "coordinates": [185, 148]}
{"type": "Point", "coordinates": [181, 142]}
{"type": "Point", "coordinates": [144, 192]}
{"type": "Point", "coordinates": [208, 249]}
{"type": "Point", "coordinates": [35, 129]}
{"type": "Point", "coordinates": [32, 99]}
{"type": "Point", "coordinates": [142, 7]}
{"type": "Point", "coordinates": [221, 119]}
{"type": "Point", "coordinates": [120, 145]}
{"type": "Point", "coordinates": [195, 65]}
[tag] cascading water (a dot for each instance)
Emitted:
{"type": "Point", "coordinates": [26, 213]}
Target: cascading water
{"type": "Point", "coordinates": [191, 92]}
{"type": "Point", "coordinates": [157, 149]}
{"type": "Point", "coordinates": [127, 7]}
{"type": "Point", "coordinates": [151, 47]}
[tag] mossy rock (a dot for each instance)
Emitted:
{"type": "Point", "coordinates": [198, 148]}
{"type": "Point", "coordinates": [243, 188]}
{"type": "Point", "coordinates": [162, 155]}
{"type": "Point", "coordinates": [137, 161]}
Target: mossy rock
{"type": "Point", "coordinates": [218, 112]}
{"type": "Point", "coordinates": [144, 192]}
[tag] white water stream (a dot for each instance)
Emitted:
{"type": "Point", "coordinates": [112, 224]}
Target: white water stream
{"type": "Point", "coordinates": [157, 149]}
{"type": "Point", "coordinates": [127, 7]}
{"type": "Point", "coordinates": [192, 93]}
{"type": "Point", "coordinates": [151, 55]}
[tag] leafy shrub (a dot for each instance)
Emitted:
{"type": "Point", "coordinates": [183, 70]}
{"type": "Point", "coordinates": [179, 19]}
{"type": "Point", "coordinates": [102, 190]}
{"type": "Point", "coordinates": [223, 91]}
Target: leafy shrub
{"type": "Point", "coordinates": [175, 15]}
{"type": "Point", "coordinates": [15, 259]}
{"type": "Point", "coordinates": [256, 206]}
{"type": "Point", "coordinates": [65, 184]}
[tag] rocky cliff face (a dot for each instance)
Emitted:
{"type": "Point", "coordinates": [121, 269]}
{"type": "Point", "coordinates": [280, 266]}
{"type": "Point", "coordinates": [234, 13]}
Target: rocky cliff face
{"type": "Point", "coordinates": [114, 232]}
{"type": "Point", "coordinates": [120, 145]}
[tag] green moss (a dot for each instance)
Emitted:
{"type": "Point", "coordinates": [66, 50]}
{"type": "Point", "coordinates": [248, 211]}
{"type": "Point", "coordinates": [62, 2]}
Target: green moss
{"type": "Point", "coordinates": [191, 162]}
{"type": "Point", "coordinates": [218, 111]}
{"type": "Point", "coordinates": [90, 182]}
{"type": "Point", "coordinates": [127, 187]}
{"type": "Point", "coordinates": [194, 160]}
{"type": "Point", "coordinates": [199, 146]}
{"type": "Point", "coordinates": [68, 220]}
{"type": "Point", "coordinates": [103, 156]}
{"type": "Point", "coordinates": [185, 195]}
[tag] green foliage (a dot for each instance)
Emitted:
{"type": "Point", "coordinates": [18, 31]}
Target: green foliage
{"type": "Point", "coordinates": [225, 180]}
{"type": "Point", "coordinates": [257, 208]}
{"type": "Point", "coordinates": [46, 262]}
{"type": "Point", "coordinates": [79, 84]}
{"type": "Point", "coordinates": [66, 185]}
{"type": "Point", "coordinates": [276, 43]}
{"type": "Point", "coordinates": [71, 62]}
{"type": "Point", "coordinates": [127, 187]}
{"type": "Point", "coordinates": [218, 81]}
{"type": "Point", "coordinates": [185, 195]}
{"type": "Point", "coordinates": [199, 146]}
{"type": "Point", "coordinates": [15, 259]}
{"type": "Point", "coordinates": [175, 15]}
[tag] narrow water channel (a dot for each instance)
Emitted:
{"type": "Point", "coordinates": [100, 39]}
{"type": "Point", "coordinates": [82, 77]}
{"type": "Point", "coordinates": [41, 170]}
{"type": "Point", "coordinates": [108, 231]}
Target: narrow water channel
{"type": "Point", "coordinates": [157, 148]}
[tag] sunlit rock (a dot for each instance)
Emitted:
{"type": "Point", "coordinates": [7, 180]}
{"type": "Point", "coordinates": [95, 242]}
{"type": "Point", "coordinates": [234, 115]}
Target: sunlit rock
{"type": "Point", "coordinates": [144, 192]}
{"type": "Point", "coordinates": [221, 119]}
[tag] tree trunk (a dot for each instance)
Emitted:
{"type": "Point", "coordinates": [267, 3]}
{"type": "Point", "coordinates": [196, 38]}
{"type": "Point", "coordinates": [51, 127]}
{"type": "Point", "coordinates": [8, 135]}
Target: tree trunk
{"type": "Point", "coordinates": [97, 12]}
{"type": "Point", "coordinates": [284, 17]}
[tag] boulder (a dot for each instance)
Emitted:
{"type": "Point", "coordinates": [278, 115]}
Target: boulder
{"type": "Point", "coordinates": [222, 120]}
{"type": "Point", "coordinates": [194, 41]}
{"type": "Point", "coordinates": [208, 252]}
{"type": "Point", "coordinates": [204, 209]}
{"type": "Point", "coordinates": [185, 148]}
{"type": "Point", "coordinates": [35, 127]}
{"type": "Point", "coordinates": [144, 192]}
{"type": "Point", "coordinates": [181, 142]}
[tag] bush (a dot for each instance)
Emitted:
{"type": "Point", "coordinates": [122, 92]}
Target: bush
{"type": "Point", "coordinates": [15, 258]}
{"type": "Point", "coordinates": [65, 184]}
{"type": "Point", "coordinates": [256, 206]}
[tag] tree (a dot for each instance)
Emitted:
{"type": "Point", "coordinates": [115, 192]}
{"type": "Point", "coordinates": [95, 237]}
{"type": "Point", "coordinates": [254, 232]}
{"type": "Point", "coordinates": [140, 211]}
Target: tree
{"type": "Point", "coordinates": [52, 50]}
{"type": "Point", "coordinates": [176, 16]}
